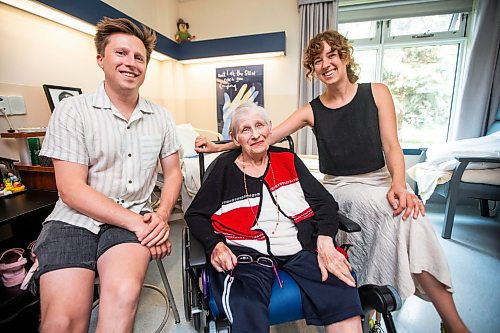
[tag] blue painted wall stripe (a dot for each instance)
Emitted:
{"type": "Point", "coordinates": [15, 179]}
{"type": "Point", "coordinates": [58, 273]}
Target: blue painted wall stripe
{"type": "Point", "coordinates": [92, 11]}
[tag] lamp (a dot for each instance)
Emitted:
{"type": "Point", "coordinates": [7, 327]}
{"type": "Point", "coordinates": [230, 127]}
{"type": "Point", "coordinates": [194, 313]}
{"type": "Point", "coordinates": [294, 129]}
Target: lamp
{"type": "Point", "coordinates": [11, 129]}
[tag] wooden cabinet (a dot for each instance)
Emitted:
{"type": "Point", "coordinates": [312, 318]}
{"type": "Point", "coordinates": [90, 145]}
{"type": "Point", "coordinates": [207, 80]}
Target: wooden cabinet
{"type": "Point", "coordinates": [33, 176]}
{"type": "Point", "coordinates": [37, 177]}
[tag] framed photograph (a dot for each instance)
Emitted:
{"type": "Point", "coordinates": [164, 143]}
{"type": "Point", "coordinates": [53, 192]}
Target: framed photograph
{"type": "Point", "coordinates": [55, 94]}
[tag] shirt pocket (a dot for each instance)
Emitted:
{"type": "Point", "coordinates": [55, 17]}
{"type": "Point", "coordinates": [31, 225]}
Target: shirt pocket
{"type": "Point", "coordinates": [150, 150]}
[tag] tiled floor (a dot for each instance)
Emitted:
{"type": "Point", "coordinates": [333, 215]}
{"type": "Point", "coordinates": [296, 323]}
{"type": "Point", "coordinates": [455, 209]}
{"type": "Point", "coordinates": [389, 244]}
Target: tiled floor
{"type": "Point", "coordinates": [474, 259]}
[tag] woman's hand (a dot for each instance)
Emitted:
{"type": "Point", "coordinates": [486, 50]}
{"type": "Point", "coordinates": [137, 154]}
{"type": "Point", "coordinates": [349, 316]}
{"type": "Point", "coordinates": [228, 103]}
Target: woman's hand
{"type": "Point", "coordinates": [222, 258]}
{"type": "Point", "coordinates": [331, 260]}
{"type": "Point", "coordinates": [160, 251]}
{"type": "Point", "coordinates": [204, 145]}
{"type": "Point", "coordinates": [400, 199]}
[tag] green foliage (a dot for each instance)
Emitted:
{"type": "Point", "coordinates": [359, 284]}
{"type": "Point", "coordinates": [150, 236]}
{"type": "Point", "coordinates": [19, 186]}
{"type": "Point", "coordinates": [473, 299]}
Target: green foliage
{"type": "Point", "coordinates": [420, 83]}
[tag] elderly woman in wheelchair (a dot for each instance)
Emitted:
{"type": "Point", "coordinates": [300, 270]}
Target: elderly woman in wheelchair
{"type": "Point", "coordinates": [259, 210]}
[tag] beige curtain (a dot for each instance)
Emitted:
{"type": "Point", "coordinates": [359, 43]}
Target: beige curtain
{"type": "Point", "coordinates": [316, 16]}
{"type": "Point", "coordinates": [480, 97]}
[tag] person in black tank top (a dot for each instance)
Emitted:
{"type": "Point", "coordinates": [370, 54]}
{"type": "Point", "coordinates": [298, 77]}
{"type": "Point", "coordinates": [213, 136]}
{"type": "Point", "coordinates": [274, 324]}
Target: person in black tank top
{"type": "Point", "coordinates": [359, 151]}
{"type": "Point", "coordinates": [347, 133]}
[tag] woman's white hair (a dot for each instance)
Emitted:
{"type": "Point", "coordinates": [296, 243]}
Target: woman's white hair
{"type": "Point", "coordinates": [244, 109]}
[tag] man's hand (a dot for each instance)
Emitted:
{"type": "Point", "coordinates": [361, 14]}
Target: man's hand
{"type": "Point", "coordinates": [400, 199]}
{"type": "Point", "coordinates": [331, 260]}
{"type": "Point", "coordinates": [222, 258]}
{"type": "Point", "coordinates": [160, 251]}
{"type": "Point", "coordinates": [156, 230]}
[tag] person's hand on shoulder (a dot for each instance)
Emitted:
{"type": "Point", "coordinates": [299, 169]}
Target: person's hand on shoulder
{"type": "Point", "coordinates": [331, 260]}
{"type": "Point", "coordinates": [204, 145]}
{"type": "Point", "coordinates": [401, 200]}
{"type": "Point", "coordinates": [222, 258]}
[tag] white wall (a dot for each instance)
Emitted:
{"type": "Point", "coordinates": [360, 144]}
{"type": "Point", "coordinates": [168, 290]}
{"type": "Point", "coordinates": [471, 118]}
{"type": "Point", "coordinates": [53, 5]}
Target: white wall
{"type": "Point", "coordinates": [36, 51]}
{"type": "Point", "coordinates": [209, 19]}
{"type": "Point", "coordinates": [161, 15]}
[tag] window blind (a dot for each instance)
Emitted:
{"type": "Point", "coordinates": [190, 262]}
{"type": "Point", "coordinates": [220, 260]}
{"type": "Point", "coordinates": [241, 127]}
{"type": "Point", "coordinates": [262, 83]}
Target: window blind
{"type": "Point", "coordinates": [358, 10]}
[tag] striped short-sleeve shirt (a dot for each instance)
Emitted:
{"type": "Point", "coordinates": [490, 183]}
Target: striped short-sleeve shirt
{"type": "Point", "coordinates": [122, 156]}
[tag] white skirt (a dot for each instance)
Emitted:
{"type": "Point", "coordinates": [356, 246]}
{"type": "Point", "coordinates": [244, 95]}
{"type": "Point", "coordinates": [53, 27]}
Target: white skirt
{"type": "Point", "coordinates": [388, 250]}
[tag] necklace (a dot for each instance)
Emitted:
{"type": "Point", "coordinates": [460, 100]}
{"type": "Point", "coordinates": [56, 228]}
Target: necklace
{"type": "Point", "coordinates": [275, 196]}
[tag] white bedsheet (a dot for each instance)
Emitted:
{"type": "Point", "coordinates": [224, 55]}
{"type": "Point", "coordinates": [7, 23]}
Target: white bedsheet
{"type": "Point", "coordinates": [440, 163]}
{"type": "Point", "coordinates": [312, 164]}
{"type": "Point", "coordinates": [191, 172]}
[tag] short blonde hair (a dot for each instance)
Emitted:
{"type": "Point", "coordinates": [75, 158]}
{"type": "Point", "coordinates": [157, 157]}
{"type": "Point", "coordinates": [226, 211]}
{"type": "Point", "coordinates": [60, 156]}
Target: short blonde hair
{"type": "Point", "coordinates": [108, 26]}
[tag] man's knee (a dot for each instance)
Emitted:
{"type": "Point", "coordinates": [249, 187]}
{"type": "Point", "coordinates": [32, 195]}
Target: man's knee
{"type": "Point", "coordinates": [125, 295]}
{"type": "Point", "coordinates": [64, 322]}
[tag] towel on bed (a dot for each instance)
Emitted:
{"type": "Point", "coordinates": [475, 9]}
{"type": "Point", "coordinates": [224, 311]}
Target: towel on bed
{"type": "Point", "coordinates": [440, 163]}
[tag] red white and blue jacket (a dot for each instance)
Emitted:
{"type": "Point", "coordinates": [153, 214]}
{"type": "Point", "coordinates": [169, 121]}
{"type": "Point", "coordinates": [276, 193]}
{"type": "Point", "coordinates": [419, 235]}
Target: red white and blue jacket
{"type": "Point", "coordinates": [222, 210]}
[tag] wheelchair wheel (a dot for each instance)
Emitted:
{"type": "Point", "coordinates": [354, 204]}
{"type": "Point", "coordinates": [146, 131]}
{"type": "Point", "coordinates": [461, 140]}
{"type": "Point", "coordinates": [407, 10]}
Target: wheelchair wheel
{"type": "Point", "coordinates": [186, 290]}
{"type": "Point", "coordinates": [192, 300]}
{"type": "Point", "coordinates": [197, 321]}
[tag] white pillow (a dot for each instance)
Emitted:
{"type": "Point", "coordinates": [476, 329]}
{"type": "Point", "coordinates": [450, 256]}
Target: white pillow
{"type": "Point", "coordinates": [187, 135]}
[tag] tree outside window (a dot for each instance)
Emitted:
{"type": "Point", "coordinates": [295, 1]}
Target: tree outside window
{"type": "Point", "coordinates": [418, 58]}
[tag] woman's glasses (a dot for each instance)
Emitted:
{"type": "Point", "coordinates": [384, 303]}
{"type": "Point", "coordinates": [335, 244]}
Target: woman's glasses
{"type": "Point", "coordinates": [263, 261]}
{"type": "Point", "coordinates": [247, 259]}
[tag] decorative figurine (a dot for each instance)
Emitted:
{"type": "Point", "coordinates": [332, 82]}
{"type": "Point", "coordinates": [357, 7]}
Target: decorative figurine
{"type": "Point", "coordinates": [11, 184]}
{"type": "Point", "coordinates": [182, 34]}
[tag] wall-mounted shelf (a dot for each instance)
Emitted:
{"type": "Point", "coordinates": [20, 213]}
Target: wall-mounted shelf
{"type": "Point", "coordinates": [22, 143]}
{"type": "Point", "coordinates": [23, 135]}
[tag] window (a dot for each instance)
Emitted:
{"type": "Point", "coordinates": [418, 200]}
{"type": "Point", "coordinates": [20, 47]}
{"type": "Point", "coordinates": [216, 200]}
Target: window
{"type": "Point", "coordinates": [424, 25]}
{"type": "Point", "coordinates": [360, 30]}
{"type": "Point", "coordinates": [419, 59]}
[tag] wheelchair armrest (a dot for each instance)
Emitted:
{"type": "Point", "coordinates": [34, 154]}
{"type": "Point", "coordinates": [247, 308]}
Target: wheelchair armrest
{"type": "Point", "coordinates": [197, 256]}
{"type": "Point", "coordinates": [221, 142]}
{"type": "Point", "coordinates": [348, 225]}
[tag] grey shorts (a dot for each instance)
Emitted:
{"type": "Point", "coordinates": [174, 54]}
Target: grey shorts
{"type": "Point", "coordinates": [62, 245]}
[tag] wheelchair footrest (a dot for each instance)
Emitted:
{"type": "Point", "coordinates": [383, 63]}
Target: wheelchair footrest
{"type": "Point", "coordinates": [218, 326]}
{"type": "Point", "coordinates": [381, 298]}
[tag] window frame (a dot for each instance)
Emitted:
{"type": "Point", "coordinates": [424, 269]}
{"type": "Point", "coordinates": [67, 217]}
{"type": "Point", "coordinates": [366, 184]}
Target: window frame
{"type": "Point", "coordinates": [383, 41]}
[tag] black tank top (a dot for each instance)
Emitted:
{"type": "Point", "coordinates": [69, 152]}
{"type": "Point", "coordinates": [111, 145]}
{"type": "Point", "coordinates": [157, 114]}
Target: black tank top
{"type": "Point", "coordinates": [348, 138]}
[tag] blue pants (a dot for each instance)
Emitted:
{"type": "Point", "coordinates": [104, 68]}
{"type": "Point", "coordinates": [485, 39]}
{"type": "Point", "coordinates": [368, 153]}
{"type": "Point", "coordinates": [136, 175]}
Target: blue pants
{"type": "Point", "coordinates": [243, 294]}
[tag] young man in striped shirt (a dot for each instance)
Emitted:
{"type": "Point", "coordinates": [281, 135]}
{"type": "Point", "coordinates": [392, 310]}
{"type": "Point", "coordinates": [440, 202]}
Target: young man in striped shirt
{"type": "Point", "coordinates": [105, 147]}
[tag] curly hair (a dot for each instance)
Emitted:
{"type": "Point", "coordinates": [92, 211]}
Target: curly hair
{"type": "Point", "coordinates": [108, 26]}
{"type": "Point", "coordinates": [336, 42]}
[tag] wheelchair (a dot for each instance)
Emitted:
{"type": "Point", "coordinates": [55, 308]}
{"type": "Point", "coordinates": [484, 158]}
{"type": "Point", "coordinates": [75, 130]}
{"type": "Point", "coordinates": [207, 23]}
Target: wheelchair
{"type": "Point", "coordinates": [200, 307]}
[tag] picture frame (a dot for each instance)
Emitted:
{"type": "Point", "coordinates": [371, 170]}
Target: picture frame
{"type": "Point", "coordinates": [56, 94]}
